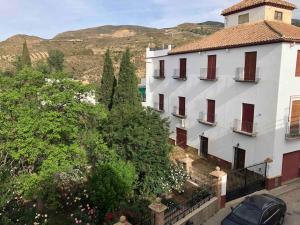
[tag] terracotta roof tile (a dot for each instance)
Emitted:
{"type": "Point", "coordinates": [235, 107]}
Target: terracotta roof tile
{"type": "Point", "coordinates": [243, 35]}
{"type": "Point", "coordinates": [248, 4]}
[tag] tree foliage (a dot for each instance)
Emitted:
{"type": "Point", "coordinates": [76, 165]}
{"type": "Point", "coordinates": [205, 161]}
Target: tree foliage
{"type": "Point", "coordinates": [141, 136]}
{"type": "Point", "coordinates": [45, 132]}
{"type": "Point", "coordinates": [108, 82]}
{"type": "Point", "coordinates": [126, 91]}
{"type": "Point", "coordinates": [56, 60]}
{"type": "Point", "coordinates": [26, 61]}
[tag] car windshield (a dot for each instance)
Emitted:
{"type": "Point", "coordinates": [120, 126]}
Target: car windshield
{"type": "Point", "coordinates": [247, 213]}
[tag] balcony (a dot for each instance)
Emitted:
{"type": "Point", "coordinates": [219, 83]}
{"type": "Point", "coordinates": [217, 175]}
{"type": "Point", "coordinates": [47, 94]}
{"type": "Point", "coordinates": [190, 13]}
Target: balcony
{"type": "Point", "coordinates": [157, 108]}
{"type": "Point", "coordinates": [158, 75]}
{"type": "Point", "coordinates": [204, 75]}
{"type": "Point", "coordinates": [245, 128]}
{"type": "Point", "coordinates": [293, 130]}
{"type": "Point", "coordinates": [178, 113]}
{"type": "Point", "coordinates": [240, 76]}
{"type": "Point", "coordinates": [207, 119]}
{"type": "Point", "coordinates": [178, 76]}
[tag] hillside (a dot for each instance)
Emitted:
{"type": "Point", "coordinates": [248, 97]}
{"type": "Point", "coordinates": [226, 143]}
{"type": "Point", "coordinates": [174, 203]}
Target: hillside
{"type": "Point", "coordinates": [84, 48]}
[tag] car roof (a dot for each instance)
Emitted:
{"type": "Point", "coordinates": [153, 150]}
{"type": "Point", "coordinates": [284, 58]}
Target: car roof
{"type": "Point", "coordinates": [260, 202]}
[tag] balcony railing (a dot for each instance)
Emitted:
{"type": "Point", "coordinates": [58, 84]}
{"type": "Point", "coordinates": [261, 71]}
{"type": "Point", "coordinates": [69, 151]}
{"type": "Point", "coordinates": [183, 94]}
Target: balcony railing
{"type": "Point", "coordinates": [293, 130]}
{"type": "Point", "coordinates": [240, 76]}
{"type": "Point", "coordinates": [178, 76]}
{"type": "Point", "coordinates": [207, 119]}
{"type": "Point", "coordinates": [205, 76]}
{"type": "Point", "coordinates": [177, 113]}
{"type": "Point", "coordinates": [158, 75]}
{"type": "Point", "coordinates": [245, 128]}
{"type": "Point", "coordinates": [157, 108]}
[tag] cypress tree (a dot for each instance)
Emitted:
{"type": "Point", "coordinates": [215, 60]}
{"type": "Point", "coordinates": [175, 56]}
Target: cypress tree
{"type": "Point", "coordinates": [127, 92]}
{"type": "Point", "coordinates": [26, 61]}
{"type": "Point", "coordinates": [108, 82]}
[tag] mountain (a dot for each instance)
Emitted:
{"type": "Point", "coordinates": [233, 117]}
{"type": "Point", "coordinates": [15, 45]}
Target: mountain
{"type": "Point", "coordinates": [84, 48]}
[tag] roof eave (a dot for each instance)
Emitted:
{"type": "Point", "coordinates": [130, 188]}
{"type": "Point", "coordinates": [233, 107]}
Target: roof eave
{"type": "Point", "coordinates": [236, 46]}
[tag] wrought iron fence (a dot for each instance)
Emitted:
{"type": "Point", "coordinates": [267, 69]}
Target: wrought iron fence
{"type": "Point", "coordinates": [181, 210]}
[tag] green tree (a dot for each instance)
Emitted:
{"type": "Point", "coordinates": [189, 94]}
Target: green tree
{"type": "Point", "coordinates": [112, 183]}
{"type": "Point", "coordinates": [108, 82]}
{"type": "Point", "coordinates": [42, 67]}
{"type": "Point", "coordinates": [127, 89]}
{"type": "Point", "coordinates": [25, 58]}
{"type": "Point", "coordinates": [48, 134]}
{"type": "Point", "coordinates": [56, 60]}
{"type": "Point", "coordinates": [141, 136]}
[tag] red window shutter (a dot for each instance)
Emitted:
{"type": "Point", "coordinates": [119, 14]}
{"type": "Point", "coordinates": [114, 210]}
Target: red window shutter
{"type": "Point", "coordinates": [250, 66]}
{"type": "Point", "coordinates": [212, 67]}
{"type": "Point", "coordinates": [182, 68]}
{"type": "Point", "coordinates": [211, 111]}
{"type": "Point", "coordinates": [181, 106]}
{"type": "Point", "coordinates": [298, 65]}
{"type": "Point", "coordinates": [161, 102]}
{"type": "Point", "coordinates": [295, 117]}
{"type": "Point", "coordinates": [248, 118]}
{"type": "Point", "coordinates": [162, 68]}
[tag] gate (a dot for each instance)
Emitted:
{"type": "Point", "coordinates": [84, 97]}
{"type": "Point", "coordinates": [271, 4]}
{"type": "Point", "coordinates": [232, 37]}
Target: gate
{"type": "Point", "coordinates": [246, 181]}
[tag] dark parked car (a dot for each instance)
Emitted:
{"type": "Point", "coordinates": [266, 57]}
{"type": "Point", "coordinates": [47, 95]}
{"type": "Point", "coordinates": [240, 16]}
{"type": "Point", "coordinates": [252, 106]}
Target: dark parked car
{"type": "Point", "coordinates": [258, 210]}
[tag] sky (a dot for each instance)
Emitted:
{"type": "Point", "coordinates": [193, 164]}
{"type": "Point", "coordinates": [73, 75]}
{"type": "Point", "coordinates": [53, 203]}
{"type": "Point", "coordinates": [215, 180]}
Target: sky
{"type": "Point", "coordinates": [46, 18]}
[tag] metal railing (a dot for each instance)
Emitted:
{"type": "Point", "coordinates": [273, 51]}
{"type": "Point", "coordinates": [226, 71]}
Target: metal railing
{"type": "Point", "coordinates": [243, 127]}
{"type": "Point", "coordinates": [178, 76]}
{"type": "Point", "coordinates": [293, 129]}
{"type": "Point", "coordinates": [205, 76]}
{"type": "Point", "coordinates": [207, 118]}
{"type": "Point", "coordinates": [186, 207]}
{"type": "Point", "coordinates": [158, 75]}
{"type": "Point", "coordinates": [240, 75]}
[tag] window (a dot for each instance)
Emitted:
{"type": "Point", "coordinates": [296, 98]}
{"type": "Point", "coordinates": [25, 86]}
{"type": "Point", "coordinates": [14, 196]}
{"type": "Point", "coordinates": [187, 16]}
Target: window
{"type": "Point", "coordinates": [181, 106]}
{"type": "Point", "coordinates": [278, 15]}
{"type": "Point", "coordinates": [298, 65]}
{"type": "Point", "coordinates": [248, 118]}
{"type": "Point", "coordinates": [161, 102]}
{"type": "Point", "coordinates": [211, 67]}
{"type": "Point", "coordinates": [162, 68]}
{"type": "Point", "coordinates": [269, 214]}
{"type": "Point", "coordinates": [211, 111]}
{"type": "Point", "coordinates": [182, 68]}
{"type": "Point", "coordinates": [295, 118]}
{"type": "Point", "coordinates": [244, 18]}
{"type": "Point", "coordinates": [250, 66]}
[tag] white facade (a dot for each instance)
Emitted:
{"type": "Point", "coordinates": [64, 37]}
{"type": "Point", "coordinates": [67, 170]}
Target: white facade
{"type": "Point", "coordinates": [271, 95]}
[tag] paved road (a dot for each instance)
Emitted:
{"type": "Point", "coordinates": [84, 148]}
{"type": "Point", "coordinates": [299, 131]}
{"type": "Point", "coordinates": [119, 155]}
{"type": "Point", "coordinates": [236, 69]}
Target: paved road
{"type": "Point", "coordinates": [292, 199]}
{"type": "Point", "coordinates": [290, 194]}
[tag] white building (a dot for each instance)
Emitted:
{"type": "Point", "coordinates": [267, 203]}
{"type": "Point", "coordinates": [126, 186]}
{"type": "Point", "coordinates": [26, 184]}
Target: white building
{"type": "Point", "coordinates": [235, 95]}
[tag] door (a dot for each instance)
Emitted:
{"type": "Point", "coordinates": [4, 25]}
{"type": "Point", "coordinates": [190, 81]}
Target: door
{"type": "Point", "coordinates": [239, 158]}
{"type": "Point", "coordinates": [211, 67]}
{"type": "Point", "coordinates": [161, 102]}
{"type": "Point", "coordinates": [182, 106]}
{"type": "Point", "coordinates": [295, 118]}
{"type": "Point", "coordinates": [204, 146]}
{"type": "Point", "coordinates": [181, 138]}
{"type": "Point", "coordinates": [182, 68]}
{"type": "Point", "coordinates": [290, 166]}
{"type": "Point", "coordinates": [162, 68]}
{"type": "Point", "coordinates": [250, 66]}
{"type": "Point", "coordinates": [211, 111]}
{"type": "Point", "coordinates": [248, 118]}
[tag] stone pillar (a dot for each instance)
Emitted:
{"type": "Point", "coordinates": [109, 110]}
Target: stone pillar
{"type": "Point", "coordinates": [123, 221]}
{"type": "Point", "coordinates": [158, 210]}
{"type": "Point", "coordinates": [188, 162]}
{"type": "Point", "coordinates": [220, 186]}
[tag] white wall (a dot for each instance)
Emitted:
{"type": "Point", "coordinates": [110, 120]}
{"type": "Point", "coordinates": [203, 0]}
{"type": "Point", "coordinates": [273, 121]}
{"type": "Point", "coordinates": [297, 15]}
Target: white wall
{"type": "Point", "coordinates": [289, 85]}
{"type": "Point", "coordinates": [229, 96]}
